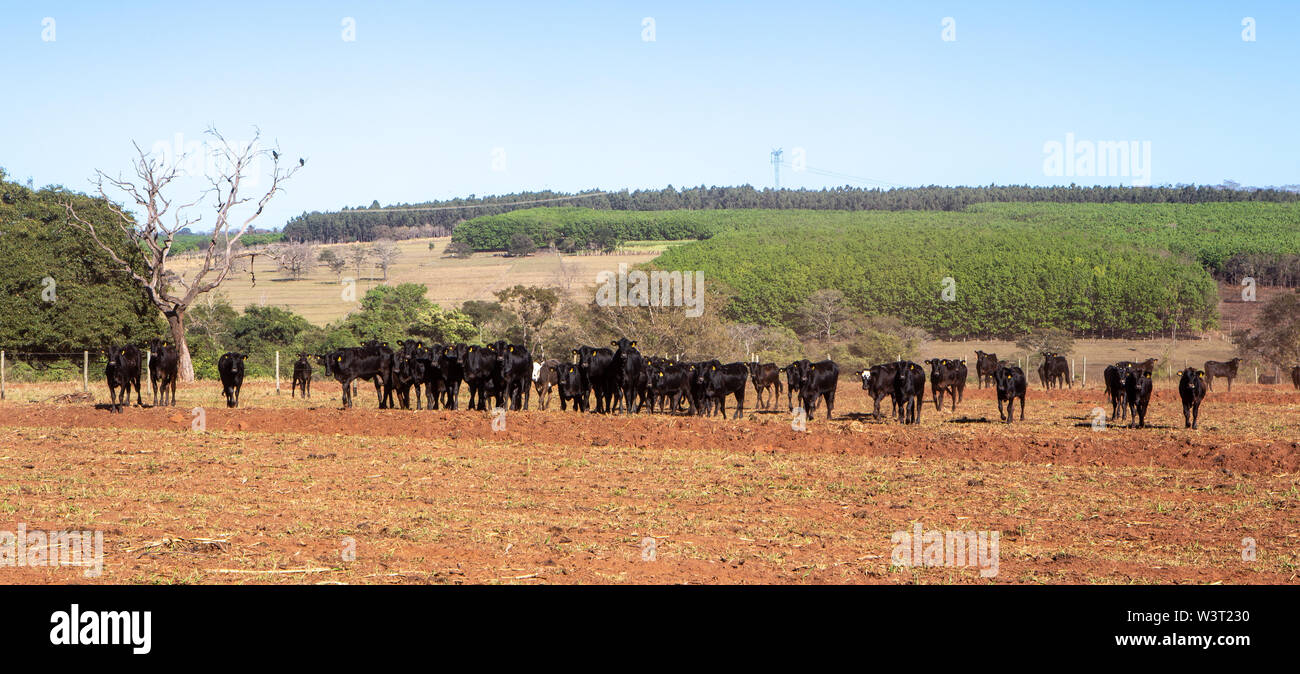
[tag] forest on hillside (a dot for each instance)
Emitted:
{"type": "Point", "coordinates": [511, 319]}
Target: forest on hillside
{"type": "Point", "coordinates": [1112, 270]}
{"type": "Point", "coordinates": [439, 218]}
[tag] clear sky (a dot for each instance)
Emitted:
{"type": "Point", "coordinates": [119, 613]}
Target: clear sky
{"type": "Point", "coordinates": [569, 95]}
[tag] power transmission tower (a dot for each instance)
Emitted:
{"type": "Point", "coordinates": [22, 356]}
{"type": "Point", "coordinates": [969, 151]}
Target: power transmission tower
{"type": "Point", "coordinates": [776, 167]}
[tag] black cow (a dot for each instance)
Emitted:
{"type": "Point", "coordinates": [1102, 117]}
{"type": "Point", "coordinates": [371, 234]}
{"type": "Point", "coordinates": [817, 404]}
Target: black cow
{"type": "Point", "coordinates": [1191, 388]}
{"type": "Point", "coordinates": [1114, 376]}
{"type": "Point", "coordinates": [878, 382]}
{"type": "Point", "coordinates": [117, 371]}
{"type": "Point", "coordinates": [909, 391]}
{"type": "Point", "coordinates": [1226, 370]}
{"type": "Point", "coordinates": [696, 385]}
{"type": "Point", "coordinates": [602, 378]}
{"type": "Point", "coordinates": [1295, 377]}
{"type": "Point", "coordinates": [1056, 368]}
{"type": "Point", "coordinates": [1011, 384]}
{"type": "Point", "coordinates": [516, 374]}
{"type": "Point", "coordinates": [301, 377]}
{"type": "Point", "coordinates": [652, 390]}
{"type": "Point", "coordinates": [794, 374]}
{"type": "Point", "coordinates": [629, 372]}
{"type": "Point", "coordinates": [765, 376]}
{"type": "Point", "coordinates": [349, 364]}
{"type": "Point", "coordinates": [669, 386]}
{"type": "Point", "coordinates": [721, 381]}
{"type": "Point", "coordinates": [164, 363]}
{"type": "Point", "coordinates": [428, 375]}
{"type": "Point", "coordinates": [821, 381]}
{"type": "Point", "coordinates": [451, 366]}
{"type": "Point", "coordinates": [985, 365]}
{"type": "Point", "coordinates": [1137, 392]}
{"type": "Point", "coordinates": [401, 371]}
{"type": "Point", "coordinates": [545, 376]}
{"type": "Point", "coordinates": [129, 362]}
{"type": "Point", "coordinates": [947, 376]}
{"type": "Point", "coordinates": [231, 368]}
{"type": "Point", "coordinates": [641, 388]}
{"type": "Point", "coordinates": [483, 376]}
{"type": "Point", "coordinates": [573, 387]}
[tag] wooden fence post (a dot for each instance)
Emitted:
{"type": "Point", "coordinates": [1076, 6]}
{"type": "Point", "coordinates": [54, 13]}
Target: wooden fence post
{"type": "Point", "coordinates": [85, 371]}
{"type": "Point", "coordinates": [2, 375]}
{"type": "Point", "coordinates": [277, 373]}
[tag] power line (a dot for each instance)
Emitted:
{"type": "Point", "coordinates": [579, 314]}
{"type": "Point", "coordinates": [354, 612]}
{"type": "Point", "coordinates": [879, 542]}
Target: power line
{"type": "Point", "coordinates": [845, 176]}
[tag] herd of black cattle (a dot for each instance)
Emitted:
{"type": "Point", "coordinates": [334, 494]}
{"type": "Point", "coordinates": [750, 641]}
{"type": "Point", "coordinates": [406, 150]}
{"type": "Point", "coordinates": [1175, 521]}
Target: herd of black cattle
{"type": "Point", "coordinates": [622, 379]}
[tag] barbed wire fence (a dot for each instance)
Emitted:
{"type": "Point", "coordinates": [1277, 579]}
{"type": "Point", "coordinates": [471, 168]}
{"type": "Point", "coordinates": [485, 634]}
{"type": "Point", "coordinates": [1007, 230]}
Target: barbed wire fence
{"type": "Point", "coordinates": [44, 361]}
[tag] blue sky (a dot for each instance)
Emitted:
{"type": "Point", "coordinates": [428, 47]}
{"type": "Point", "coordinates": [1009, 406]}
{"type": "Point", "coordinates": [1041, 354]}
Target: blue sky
{"type": "Point", "coordinates": [415, 107]}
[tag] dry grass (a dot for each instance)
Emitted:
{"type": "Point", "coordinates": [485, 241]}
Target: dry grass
{"type": "Point", "coordinates": [319, 298]}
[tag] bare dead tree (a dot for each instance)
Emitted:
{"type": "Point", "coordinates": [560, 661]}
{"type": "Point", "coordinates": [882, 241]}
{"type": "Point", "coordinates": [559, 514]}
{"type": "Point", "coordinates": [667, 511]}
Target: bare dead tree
{"type": "Point", "coordinates": [153, 238]}
{"type": "Point", "coordinates": [357, 254]}
{"type": "Point", "coordinates": [746, 335]}
{"type": "Point", "coordinates": [293, 258]}
{"type": "Point", "coordinates": [385, 253]}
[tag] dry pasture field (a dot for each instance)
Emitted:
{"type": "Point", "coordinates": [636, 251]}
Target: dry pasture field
{"type": "Point", "coordinates": [318, 297]}
{"type": "Point", "coordinates": [281, 490]}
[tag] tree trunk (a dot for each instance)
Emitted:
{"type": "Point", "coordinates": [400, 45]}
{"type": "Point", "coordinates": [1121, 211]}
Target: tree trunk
{"type": "Point", "coordinates": [176, 321]}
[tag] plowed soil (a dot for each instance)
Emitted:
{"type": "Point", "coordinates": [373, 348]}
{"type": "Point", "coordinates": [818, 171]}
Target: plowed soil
{"type": "Point", "coordinates": [285, 491]}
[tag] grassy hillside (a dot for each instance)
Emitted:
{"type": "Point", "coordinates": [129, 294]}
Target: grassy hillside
{"type": "Point", "coordinates": [1109, 269]}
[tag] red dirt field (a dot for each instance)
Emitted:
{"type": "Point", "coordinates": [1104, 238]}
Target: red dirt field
{"type": "Point", "coordinates": [278, 491]}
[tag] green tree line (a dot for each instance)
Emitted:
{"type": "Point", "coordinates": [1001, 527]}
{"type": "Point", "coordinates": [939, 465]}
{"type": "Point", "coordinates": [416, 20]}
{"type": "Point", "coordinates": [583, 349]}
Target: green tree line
{"type": "Point", "coordinates": [437, 218]}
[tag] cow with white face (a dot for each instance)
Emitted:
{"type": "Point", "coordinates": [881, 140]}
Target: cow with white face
{"type": "Point", "coordinates": [546, 375]}
{"type": "Point", "coordinates": [878, 382]}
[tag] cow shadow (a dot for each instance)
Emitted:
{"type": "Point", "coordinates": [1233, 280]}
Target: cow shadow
{"type": "Point", "coordinates": [1123, 424]}
{"type": "Point", "coordinates": [864, 417]}
{"type": "Point", "coordinates": [969, 420]}
{"type": "Point", "coordinates": [109, 407]}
